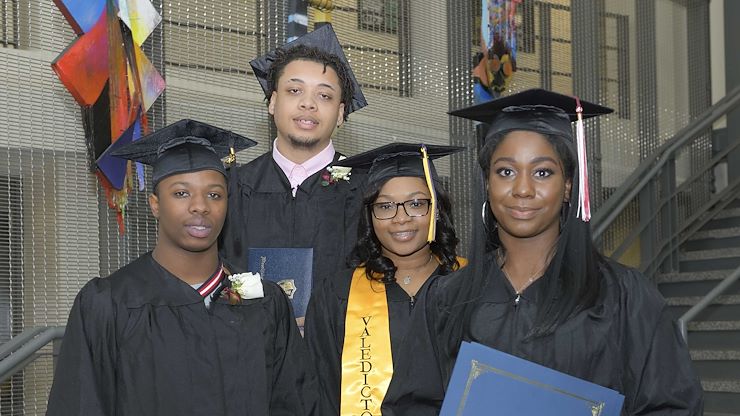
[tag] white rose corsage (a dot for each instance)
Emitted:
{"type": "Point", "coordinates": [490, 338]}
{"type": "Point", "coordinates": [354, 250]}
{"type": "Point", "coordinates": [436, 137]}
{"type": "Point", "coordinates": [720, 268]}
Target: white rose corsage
{"type": "Point", "coordinates": [334, 174]}
{"type": "Point", "coordinates": [244, 286]}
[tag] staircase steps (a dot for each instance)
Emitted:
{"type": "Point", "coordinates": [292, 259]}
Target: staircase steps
{"type": "Point", "coordinates": [729, 218]}
{"type": "Point", "coordinates": [709, 239]}
{"type": "Point", "coordinates": [714, 335]}
{"type": "Point", "coordinates": [705, 259]}
{"type": "Point", "coordinates": [712, 259]}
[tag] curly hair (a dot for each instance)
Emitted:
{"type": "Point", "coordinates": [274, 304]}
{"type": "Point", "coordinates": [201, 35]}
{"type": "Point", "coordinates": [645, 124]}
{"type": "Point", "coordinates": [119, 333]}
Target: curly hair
{"type": "Point", "coordinates": [368, 250]}
{"type": "Point", "coordinates": [309, 53]}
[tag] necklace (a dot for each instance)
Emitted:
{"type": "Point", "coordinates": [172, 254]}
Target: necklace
{"type": "Point", "coordinates": [500, 259]}
{"type": "Point", "coordinates": [518, 292]}
{"type": "Point", "coordinates": [407, 279]}
{"type": "Point", "coordinates": [521, 289]}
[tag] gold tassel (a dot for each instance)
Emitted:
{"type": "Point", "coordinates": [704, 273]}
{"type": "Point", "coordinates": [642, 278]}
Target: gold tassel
{"type": "Point", "coordinates": [430, 185]}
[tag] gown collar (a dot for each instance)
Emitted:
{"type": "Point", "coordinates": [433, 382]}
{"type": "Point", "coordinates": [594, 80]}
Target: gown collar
{"type": "Point", "coordinates": [503, 292]}
{"type": "Point", "coordinates": [147, 282]}
{"type": "Point", "coordinates": [270, 178]}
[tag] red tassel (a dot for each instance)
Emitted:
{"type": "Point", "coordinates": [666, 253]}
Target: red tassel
{"type": "Point", "coordinates": [584, 202]}
{"type": "Point", "coordinates": [117, 199]}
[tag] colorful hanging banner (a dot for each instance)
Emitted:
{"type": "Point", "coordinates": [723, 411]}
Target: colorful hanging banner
{"type": "Point", "coordinates": [109, 75]}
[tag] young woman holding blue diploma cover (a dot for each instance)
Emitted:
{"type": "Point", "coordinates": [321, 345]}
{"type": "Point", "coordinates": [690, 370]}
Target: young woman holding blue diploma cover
{"type": "Point", "coordinates": [536, 287]}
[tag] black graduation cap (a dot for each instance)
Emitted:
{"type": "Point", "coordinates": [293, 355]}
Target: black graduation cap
{"type": "Point", "coordinates": [403, 159]}
{"type": "Point", "coordinates": [397, 159]}
{"type": "Point", "coordinates": [536, 110]}
{"type": "Point", "coordinates": [182, 147]}
{"type": "Point", "coordinates": [544, 112]}
{"type": "Point", "coordinates": [322, 38]}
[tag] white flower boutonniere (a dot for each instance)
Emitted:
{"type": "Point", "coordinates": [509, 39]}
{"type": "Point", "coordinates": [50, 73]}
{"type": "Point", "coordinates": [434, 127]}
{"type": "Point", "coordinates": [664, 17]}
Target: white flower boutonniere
{"type": "Point", "coordinates": [340, 173]}
{"type": "Point", "coordinates": [244, 286]}
{"type": "Point", "coordinates": [334, 174]}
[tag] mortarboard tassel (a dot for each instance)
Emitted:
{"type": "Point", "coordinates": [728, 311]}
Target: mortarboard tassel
{"type": "Point", "coordinates": [584, 204]}
{"type": "Point", "coordinates": [430, 184]}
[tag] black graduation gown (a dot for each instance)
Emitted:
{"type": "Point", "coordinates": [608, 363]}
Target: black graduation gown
{"type": "Point", "coordinates": [627, 342]}
{"type": "Point", "coordinates": [264, 213]}
{"type": "Point", "coordinates": [142, 342]}
{"type": "Point", "coordinates": [324, 332]}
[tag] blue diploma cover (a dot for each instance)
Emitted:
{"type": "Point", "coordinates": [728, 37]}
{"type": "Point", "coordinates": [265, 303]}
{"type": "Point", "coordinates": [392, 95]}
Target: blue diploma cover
{"type": "Point", "coordinates": [290, 268]}
{"type": "Point", "coordinates": [489, 382]}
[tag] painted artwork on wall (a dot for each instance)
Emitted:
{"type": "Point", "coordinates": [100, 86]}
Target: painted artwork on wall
{"type": "Point", "coordinates": [113, 81]}
{"type": "Point", "coordinates": [495, 63]}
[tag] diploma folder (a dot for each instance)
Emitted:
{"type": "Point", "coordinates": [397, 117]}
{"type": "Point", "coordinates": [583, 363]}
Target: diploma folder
{"type": "Point", "coordinates": [486, 381]}
{"type": "Point", "coordinates": [290, 268]}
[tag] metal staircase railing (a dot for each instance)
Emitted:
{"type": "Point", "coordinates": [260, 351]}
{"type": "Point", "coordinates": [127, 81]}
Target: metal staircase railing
{"type": "Point", "coordinates": [650, 168]}
{"type": "Point", "coordinates": [670, 208]}
{"type": "Point", "coordinates": [706, 301]}
{"type": "Point", "coordinates": [22, 349]}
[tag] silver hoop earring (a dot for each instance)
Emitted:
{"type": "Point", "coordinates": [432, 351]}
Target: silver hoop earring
{"type": "Point", "coordinates": [483, 213]}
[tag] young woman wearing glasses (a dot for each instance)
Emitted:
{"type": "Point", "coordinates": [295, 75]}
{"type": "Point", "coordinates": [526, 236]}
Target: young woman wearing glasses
{"type": "Point", "coordinates": [355, 325]}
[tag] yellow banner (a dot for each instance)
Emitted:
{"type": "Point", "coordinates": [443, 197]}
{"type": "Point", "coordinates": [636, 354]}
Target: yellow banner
{"type": "Point", "coordinates": [367, 361]}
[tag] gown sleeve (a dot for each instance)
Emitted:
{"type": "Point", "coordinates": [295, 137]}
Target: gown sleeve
{"type": "Point", "coordinates": [667, 384]}
{"type": "Point", "coordinates": [658, 376]}
{"type": "Point", "coordinates": [321, 337]}
{"type": "Point", "coordinates": [294, 381]}
{"type": "Point", "coordinates": [84, 380]}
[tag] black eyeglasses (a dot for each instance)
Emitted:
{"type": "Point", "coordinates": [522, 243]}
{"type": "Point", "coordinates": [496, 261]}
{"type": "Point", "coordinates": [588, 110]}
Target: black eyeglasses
{"type": "Point", "coordinates": [412, 207]}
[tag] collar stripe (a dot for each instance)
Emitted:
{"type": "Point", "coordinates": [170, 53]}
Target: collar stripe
{"type": "Point", "coordinates": [209, 285]}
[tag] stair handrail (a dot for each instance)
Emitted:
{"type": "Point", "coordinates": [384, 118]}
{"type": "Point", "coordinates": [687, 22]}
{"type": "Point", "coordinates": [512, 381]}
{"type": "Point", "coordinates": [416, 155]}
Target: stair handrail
{"type": "Point", "coordinates": [709, 205]}
{"type": "Point", "coordinates": [14, 343]}
{"type": "Point", "coordinates": [649, 168]}
{"type": "Point", "coordinates": [706, 301]}
{"type": "Point", "coordinates": [704, 214]}
{"type": "Point", "coordinates": [19, 351]}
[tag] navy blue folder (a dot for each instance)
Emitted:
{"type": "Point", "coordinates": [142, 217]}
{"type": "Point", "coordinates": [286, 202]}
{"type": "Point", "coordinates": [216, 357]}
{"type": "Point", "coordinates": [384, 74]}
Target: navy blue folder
{"type": "Point", "coordinates": [486, 381]}
{"type": "Point", "coordinates": [290, 268]}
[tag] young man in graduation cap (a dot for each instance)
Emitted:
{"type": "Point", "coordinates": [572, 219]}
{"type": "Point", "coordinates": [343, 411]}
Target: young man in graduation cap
{"type": "Point", "coordinates": [288, 197]}
{"type": "Point", "coordinates": [537, 287]}
{"type": "Point", "coordinates": [176, 331]}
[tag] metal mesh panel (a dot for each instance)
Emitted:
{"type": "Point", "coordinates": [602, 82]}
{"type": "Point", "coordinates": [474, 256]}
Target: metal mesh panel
{"type": "Point", "coordinates": [462, 132]}
{"type": "Point", "coordinates": [413, 59]}
{"type": "Point", "coordinates": [9, 23]}
{"type": "Point", "coordinates": [50, 241]}
{"type": "Point", "coordinates": [668, 63]}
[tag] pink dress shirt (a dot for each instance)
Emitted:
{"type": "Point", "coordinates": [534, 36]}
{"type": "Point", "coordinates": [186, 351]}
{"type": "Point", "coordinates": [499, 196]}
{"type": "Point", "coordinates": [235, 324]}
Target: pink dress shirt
{"type": "Point", "coordinates": [297, 173]}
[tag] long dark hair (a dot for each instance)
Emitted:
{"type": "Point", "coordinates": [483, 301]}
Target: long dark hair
{"type": "Point", "coordinates": [573, 282]}
{"type": "Point", "coordinates": [368, 251]}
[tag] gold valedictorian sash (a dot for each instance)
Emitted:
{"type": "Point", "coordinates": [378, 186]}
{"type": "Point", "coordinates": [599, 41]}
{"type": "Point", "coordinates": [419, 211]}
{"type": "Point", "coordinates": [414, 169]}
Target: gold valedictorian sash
{"type": "Point", "coordinates": [367, 361]}
{"type": "Point", "coordinates": [462, 262]}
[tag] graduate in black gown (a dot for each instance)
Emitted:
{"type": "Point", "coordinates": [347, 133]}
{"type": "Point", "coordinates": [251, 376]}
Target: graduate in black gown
{"type": "Point", "coordinates": [287, 198]}
{"type": "Point", "coordinates": [357, 322]}
{"type": "Point", "coordinates": [176, 332]}
{"type": "Point", "coordinates": [537, 287]}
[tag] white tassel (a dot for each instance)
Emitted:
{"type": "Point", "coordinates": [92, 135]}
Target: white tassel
{"type": "Point", "coordinates": [584, 203]}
